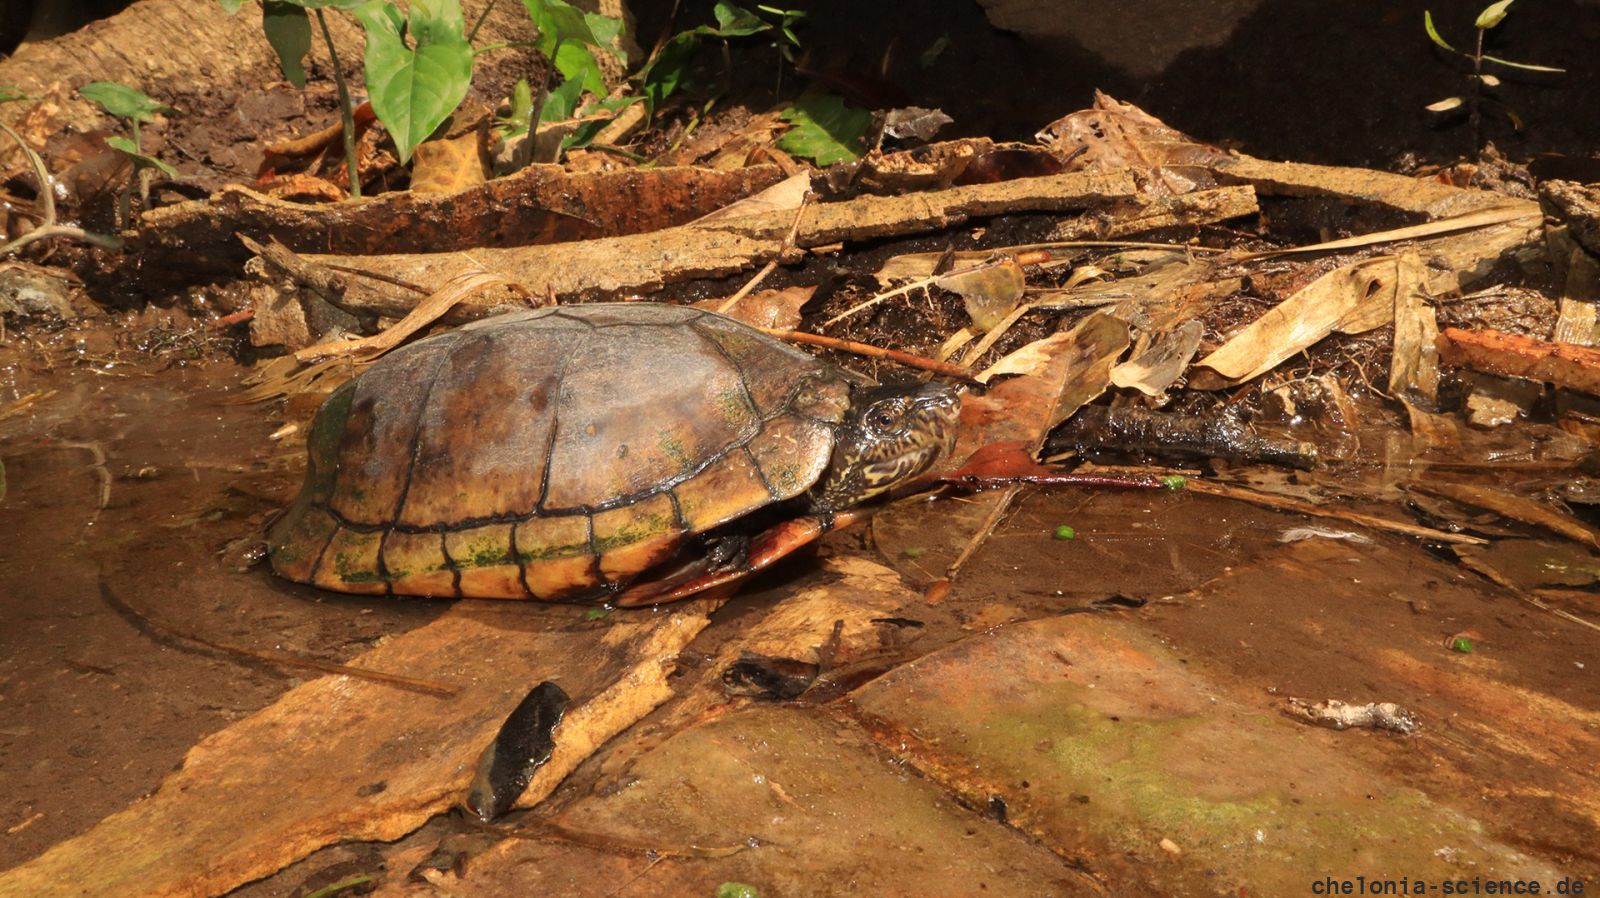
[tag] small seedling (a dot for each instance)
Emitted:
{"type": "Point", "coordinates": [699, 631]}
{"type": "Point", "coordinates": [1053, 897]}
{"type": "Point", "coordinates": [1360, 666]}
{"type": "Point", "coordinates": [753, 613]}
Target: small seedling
{"type": "Point", "coordinates": [915, 552]}
{"type": "Point", "coordinates": [594, 614]}
{"type": "Point", "coordinates": [1462, 644]}
{"type": "Point", "coordinates": [785, 41]}
{"type": "Point", "coordinates": [668, 67]}
{"type": "Point", "coordinates": [126, 102]}
{"type": "Point", "coordinates": [1065, 532]}
{"type": "Point", "coordinates": [1175, 482]}
{"type": "Point", "coordinates": [418, 64]}
{"type": "Point", "coordinates": [737, 890]}
{"type": "Point", "coordinates": [1480, 83]}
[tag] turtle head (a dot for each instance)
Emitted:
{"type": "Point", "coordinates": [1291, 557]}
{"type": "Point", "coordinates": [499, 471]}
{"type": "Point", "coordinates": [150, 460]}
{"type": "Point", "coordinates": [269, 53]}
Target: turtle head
{"type": "Point", "coordinates": [891, 434]}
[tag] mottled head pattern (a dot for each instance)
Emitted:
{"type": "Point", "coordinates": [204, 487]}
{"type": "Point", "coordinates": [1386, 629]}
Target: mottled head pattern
{"type": "Point", "coordinates": [891, 434]}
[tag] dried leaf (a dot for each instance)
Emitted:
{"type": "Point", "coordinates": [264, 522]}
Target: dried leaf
{"type": "Point", "coordinates": [1351, 299]}
{"type": "Point", "coordinates": [448, 166]}
{"type": "Point", "coordinates": [787, 194]}
{"type": "Point", "coordinates": [1445, 105]}
{"type": "Point", "coordinates": [1162, 360]}
{"type": "Point", "coordinates": [990, 293]}
{"type": "Point", "coordinates": [1414, 366]}
{"type": "Point", "coordinates": [915, 122]}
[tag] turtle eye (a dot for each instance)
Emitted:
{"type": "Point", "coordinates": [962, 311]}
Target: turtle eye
{"type": "Point", "coordinates": [885, 416]}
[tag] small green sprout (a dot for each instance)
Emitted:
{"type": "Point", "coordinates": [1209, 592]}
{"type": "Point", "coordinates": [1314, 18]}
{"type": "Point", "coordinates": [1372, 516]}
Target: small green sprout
{"type": "Point", "coordinates": [594, 614]}
{"type": "Point", "coordinates": [1175, 482]}
{"type": "Point", "coordinates": [1462, 644]}
{"type": "Point", "coordinates": [1065, 532]}
{"type": "Point", "coordinates": [915, 552]}
{"type": "Point", "coordinates": [737, 890]}
{"type": "Point", "coordinates": [1480, 83]}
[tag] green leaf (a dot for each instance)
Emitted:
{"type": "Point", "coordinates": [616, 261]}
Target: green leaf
{"type": "Point", "coordinates": [576, 62]}
{"type": "Point", "coordinates": [734, 21]}
{"type": "Point", "coordinates": [664, 74]}
{"type": "Point", "coordinates": [825, 130]}
{"type": "Point", "coordinates": [288, 30]}
{"type": "Point", "coordinates": [231, 6]}
{"type": "Point", "coordinates": [1492, 15]}
{"type": "Point", "coordinates": [122, 100]}
{"type": "Point", "coordinates": [415, 88]}
{"type": "Point", "coordinates": [125, 146]}
{"type": "Point", "coordinates": [588, 131]}
{"type": "Point", "coordinates": [1528, 66]}
{"type": "Point", "coordinates": [606, 31]}
{"type": "Point", "coordinates": [561, 103]}
{"type": "Point", "coordinates": [521, 100]}
{"type": "Point", "coordinates": [558, 22]}
{"type": "Point", "coordinates": [1427, 22]}
{"type": "Point", "coordinates": [736, 890]}
{"type": "Point", "coordinates": [9, 94]}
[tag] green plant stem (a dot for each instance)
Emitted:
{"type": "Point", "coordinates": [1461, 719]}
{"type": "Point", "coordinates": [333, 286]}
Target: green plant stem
{"type": "Point", "coordinates": [1474, 113]}
{"type": "Point", "coordinates": [347, 112]}
{"type": "Point", "coordinates": [479, 24]}
{"type": "Point", "coordinates": [142, 175]}
{"type": "Point", "coordinates": [525, 152]}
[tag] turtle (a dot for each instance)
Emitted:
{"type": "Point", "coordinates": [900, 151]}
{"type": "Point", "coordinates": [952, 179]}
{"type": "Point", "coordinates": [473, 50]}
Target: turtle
{"type": "Point", "coordinates": [616, 453]}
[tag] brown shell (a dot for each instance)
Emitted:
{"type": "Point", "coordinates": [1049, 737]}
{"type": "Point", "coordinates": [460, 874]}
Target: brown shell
{"type": "Point", "coordinates": [554, 453]}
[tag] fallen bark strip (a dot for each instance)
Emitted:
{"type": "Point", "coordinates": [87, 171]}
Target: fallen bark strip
{"type": "Point", "coordinates": [643, 263]}
{"type": "Point", "coordinates": [338, 759]}
{"type": "Point", "coordinates": [1560, 364]}
{"type": "Point", "coordinates": [1184, 210]}
{"type": "Point", "coordinates": [540, 204]}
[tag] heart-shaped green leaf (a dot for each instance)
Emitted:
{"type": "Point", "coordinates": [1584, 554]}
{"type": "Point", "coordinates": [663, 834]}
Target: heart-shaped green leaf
{"type": "Point", "coordinates": [122, 100]}
{"type": "Point", "coordinates": [825, 129]}
{"type": "Point", "coordinates": [414, 88]}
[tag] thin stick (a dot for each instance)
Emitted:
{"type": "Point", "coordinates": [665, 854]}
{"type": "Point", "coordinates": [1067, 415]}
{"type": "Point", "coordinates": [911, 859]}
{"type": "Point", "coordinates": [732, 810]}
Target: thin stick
{"type": "Point", "coordinates": [1284, 503]}
{"type": "Point", "coordinates": [783, 250]}
{"type": "Point", "coordinates": [162, 633]}
{"type": "Point", "coordinates": [876, 352]}
{"type": "Point", "coordinates": [47, 208]}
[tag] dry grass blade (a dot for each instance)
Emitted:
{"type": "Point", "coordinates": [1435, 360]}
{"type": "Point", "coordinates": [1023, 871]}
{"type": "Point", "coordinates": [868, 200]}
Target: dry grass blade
{"type": "Point", "coordinates": [1471, 220]}
{"type": "Point", "coordinates": [1350, 299]}
{"type": "Point", "coordinates": [428, 311]}
{"type": "Point", "coordinates": [783, 250]}
{"type": "Point", "coordinates": [919, 284]}
{"type": "Point", "coordinates": [284, 376]}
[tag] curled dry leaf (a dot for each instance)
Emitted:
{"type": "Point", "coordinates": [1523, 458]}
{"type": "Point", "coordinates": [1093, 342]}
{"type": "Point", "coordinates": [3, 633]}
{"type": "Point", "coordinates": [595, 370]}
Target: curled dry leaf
{"type": "Point", "coordinates": [1159, 359]}
{"type": "Point", "coordinates": [1350, 299]}
{"type": "Point", "coordinates": [990, 293]}
{"type": "Point", "coordinates": [1414, 369]}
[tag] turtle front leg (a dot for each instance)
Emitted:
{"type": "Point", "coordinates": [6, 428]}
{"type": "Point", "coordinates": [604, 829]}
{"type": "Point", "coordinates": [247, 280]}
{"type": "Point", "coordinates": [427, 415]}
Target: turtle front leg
{"type": "Point", "coordinates": [760, 551]}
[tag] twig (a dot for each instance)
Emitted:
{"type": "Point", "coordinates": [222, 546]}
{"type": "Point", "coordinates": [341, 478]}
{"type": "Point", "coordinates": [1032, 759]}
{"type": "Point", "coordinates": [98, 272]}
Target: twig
{"type": "Point", "coordinates": [877, 352]}
{"type": "Point", "coordinates": [783, 250]}
{"type": "Point", "coordinates": [1284, 503]}
{"type": "Point", "coordinates": [47, 208]}
{"type": "Point", "coordinates": [176, 638]}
